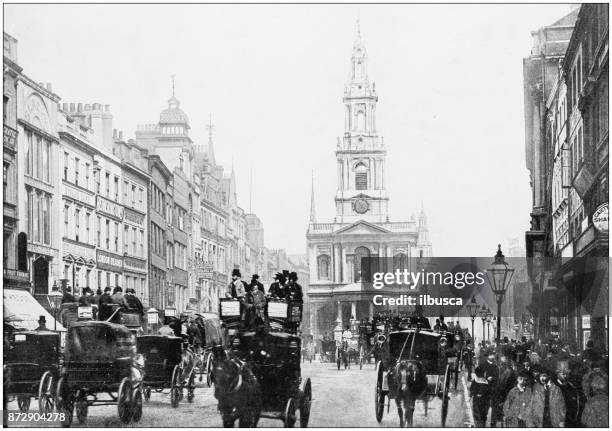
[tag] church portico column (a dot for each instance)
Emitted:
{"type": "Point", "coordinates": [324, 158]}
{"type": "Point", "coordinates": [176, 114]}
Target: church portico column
{"type": "Point", "coordinates": [344, 266]}
{"type": "Point", "coordinates": [338, 328]}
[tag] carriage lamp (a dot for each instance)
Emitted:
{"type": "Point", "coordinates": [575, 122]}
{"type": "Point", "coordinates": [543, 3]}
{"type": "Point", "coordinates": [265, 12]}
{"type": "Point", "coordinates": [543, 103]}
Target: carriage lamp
{"type": "Point", "coordinates": [473, 309]}
{"type": "Point", "coordinates": [499, 276]}
{"type": "Point", "coordinates": [55, 302]}
{"type": "Point", "coordinates": [483, 315]}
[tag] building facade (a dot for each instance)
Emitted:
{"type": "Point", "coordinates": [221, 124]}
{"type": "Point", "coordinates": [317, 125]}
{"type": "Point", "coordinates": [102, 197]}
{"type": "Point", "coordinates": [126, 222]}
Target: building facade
{"type": "Point", "coordinates": [15, 267]}
{"type": "Point", "coordinates": [566, 116]}
{"type": "Point", "coordinates": [362, 227]}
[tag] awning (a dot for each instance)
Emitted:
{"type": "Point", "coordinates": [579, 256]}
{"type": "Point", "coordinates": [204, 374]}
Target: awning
{"type": "Point", "coordinates": [22, 310]}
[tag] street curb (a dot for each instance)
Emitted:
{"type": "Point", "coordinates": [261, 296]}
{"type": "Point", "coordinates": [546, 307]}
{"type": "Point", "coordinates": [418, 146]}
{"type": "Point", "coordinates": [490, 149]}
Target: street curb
{"type": "Point", "coordinates": [468, 402]}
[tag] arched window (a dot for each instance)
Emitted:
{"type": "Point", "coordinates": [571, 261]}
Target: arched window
{"type": "Point", "coordinates": [400, 261]}
{"type": "Point", "coordinates": [323, 267]}
{"type": "Point", "coordinates": [361, 177]}
{"type": "Point", "coordinates": [360, 254]}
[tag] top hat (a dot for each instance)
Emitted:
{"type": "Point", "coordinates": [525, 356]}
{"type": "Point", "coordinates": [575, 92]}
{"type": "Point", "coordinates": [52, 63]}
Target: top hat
{"type": "Point", "coordinates": [255, 277]}
{"type": "Point", "coordinates": [236, 272]}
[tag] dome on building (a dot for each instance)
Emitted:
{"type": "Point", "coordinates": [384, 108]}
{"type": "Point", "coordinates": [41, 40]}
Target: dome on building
{"type": "Point", "coordinates": [174, 114]}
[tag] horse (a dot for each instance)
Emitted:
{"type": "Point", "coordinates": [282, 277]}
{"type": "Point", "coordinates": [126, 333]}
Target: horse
{"type": "Point", "coordinates": [408, 382]}
{"type": "Point", "coordinates": [237, 390]}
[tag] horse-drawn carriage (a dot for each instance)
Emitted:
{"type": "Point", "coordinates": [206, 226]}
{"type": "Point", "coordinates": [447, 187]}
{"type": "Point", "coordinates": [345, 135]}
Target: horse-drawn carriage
{"type": "Point", "coordinates": [328, 351]}
{"type": "Point", "coordinates": [100, 357]}
{"type": "Point", "coordinates": [31, 367]}
{"type": "Point", "coordinates": [261, 376]}
{"type": "Point", "coordinates": [211, 334]}
{"type": "Point", "coordinates": [415, 366]}
{"type": "Point", "coordinates": [167, 365]}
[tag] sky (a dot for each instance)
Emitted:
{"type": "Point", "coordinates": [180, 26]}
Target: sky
{"type": "Point", "coordinates": [448, 77]}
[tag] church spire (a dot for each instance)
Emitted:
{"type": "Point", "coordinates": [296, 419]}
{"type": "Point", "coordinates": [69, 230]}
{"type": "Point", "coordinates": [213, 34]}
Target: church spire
{"type": "Point", "coordinates": [210, 150]}
{"type": "Point", "coordinates": [313, 217]}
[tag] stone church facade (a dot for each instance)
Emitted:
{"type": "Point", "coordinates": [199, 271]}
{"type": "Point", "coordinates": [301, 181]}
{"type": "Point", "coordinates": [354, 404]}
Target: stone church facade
{"type": "Point", "coordinates": [362, 226]}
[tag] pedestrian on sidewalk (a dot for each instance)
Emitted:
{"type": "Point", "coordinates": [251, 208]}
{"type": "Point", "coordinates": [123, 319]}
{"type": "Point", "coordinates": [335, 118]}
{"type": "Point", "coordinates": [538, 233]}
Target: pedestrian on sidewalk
{"type": "Point", "coordinates": [480, 393]}
{"type": "Point", "coordinates": [516, 406]}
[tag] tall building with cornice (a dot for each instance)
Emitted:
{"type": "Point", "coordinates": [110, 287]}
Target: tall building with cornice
{"type": "Point", "coordinates": [362, 226]}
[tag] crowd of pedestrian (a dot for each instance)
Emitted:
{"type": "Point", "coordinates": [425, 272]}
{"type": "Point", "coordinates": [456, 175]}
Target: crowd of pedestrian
{"type": "Point", "coordinates": [526, 384]}
{"type": "Point", "coordinates": [104, 303]}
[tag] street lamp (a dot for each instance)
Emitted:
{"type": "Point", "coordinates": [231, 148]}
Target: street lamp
{"type": "Point", "coordinates": [55, 302]}
{"type": "Point", "coordinates": [488, 318]}
{"type": "Point", "coordinates": [483, 315]}
{"type": "Point", "coordinates": [473, 308]}
{"type": "Point", "coordinates": [500, 277]}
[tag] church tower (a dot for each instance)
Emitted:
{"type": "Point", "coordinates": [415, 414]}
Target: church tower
{"type": "Point", "coordinates": [360, 153]}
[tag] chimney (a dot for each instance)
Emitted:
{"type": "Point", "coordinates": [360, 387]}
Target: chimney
{"type": "Point", "coordinates": [65, 107]}
{"type": "Point", "coordinates": [114, 133]}
{"type": "Point", "coordinates": [72, 107]}
{"type": "Point", "coordinates": [49, 87]}
{"type": "Point", "coordinates": [121, 135]}
{"type": "Point", "coordinates": [87, 107]}
{"type": "Point", "coordinates": [80, 107]}
{"type": "Point", "coordinates": [106, 108]}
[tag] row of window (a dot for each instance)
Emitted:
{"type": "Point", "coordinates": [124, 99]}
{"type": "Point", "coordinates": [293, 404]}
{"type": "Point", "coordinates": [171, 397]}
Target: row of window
{"type": "Point", "coordinates": [173, 130]}
{"type": "Point", "coordinates": [38, 157]}
{"type": "Point", "coordinates": [38, 216]}
{"type": "Point", "coordinates": [158, 240]}
{"type": "Point", "coordinates": [78, 172]}
{"type": "Point", "coordinates": [81, 277]}
{"type": "Point", "coordinates": [158, 199]}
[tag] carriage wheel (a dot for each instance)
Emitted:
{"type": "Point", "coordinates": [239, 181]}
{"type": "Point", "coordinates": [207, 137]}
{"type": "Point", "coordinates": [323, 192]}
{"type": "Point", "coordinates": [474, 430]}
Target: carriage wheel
{"type": "Point", "coordinates": [456, 375]}
{"type": "Point", "coordinates": [64, 401]}
{"type": "Point", "coordinates": [379, 395]}
{"type": "Point", "coordinates": [81, 410]}
{"type": "Point", "coordinates": [137, 405]}
{"type": "Point", "coordinates": [24, 403]}
{"type": "Point", "coordinates": [46, 398]}
{"type": "Point", "coordinates": [209, 370]}
{"type": "Point", "coordinates": [191, 388]}
{"type": "Point", "coordinates": [175, 386]}
{"type": "Point", "coordinates": [147, 394]}
{"type": "Point", "coordinates": [445, 397]}
{"type": "Point", "coordinates": [124, 400]}
{"type": "Point", "coordinates": [305, 403]}
{"type": "Point", "coordinates": [289, 417]}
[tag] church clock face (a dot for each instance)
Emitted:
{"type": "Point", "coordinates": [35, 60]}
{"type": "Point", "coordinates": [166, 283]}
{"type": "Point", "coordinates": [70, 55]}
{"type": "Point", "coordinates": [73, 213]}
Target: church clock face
{"type": "Point", "coordinates": [361, 206]}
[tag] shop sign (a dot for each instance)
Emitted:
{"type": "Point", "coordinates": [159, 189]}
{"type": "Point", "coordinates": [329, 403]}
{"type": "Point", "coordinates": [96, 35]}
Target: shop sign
{"type": "Point", "coordinates": [170, 312]}
{"type": "Point", "coordinates": [134, 217]}
{"type": "Point", "coordinates": [78, 195]}
{"type": "Point", "coordinates": [10, 135]}
{"type": "Point", "coordinates": [110, 208]}
{"type": "Point", "coordinates": [109, 261]}
{"type": "Point", "coordinates": [14, 274]}
{"type": "Point", "coordinates": [600, 218]}
{"type": "Point", "coordinates": [134, 264]}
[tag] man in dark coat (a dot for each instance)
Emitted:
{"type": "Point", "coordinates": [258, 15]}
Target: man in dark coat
{"type": "Point", "coordinates": [491, 374]}
{"type": "Point", "coordinates": [104, 311]}
{"type": "Point", "coordinates": [133, 301]}
{"type": "Point", "coordinates": [573, 396]}
{"type": "Point", "coordinates": [547, 408]}
{"type": "Point", "coordinates": [276, 289]}
{"type": "Point", "coordinates": [293, 290]}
